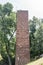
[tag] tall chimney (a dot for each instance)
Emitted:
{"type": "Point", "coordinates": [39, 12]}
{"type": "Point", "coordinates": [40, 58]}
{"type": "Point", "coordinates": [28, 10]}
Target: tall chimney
{"type": "Point", "coordinates": [22, 39]}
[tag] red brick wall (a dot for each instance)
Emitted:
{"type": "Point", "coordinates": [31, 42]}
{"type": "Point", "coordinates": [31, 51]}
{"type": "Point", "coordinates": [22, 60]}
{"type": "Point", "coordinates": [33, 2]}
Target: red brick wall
{"type": "Point", "coordinates": [22, 39]}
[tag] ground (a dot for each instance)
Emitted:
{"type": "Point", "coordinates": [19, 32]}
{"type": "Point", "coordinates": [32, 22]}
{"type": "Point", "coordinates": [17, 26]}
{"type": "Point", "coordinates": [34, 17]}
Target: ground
{"type": "Point", "coordinates": [37, 62]}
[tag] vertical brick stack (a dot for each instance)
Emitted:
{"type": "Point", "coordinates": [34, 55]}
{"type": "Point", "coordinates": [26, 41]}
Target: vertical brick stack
{"type": "Point", "coordinates": [22, 39]}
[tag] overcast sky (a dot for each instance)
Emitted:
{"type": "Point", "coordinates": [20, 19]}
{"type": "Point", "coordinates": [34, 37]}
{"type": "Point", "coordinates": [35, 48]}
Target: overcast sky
{"type": "Point", "coordinates": [35, 7]}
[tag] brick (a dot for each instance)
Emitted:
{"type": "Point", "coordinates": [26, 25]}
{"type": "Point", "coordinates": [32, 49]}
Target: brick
{"type": "Point", "coordinates": [22, 39]}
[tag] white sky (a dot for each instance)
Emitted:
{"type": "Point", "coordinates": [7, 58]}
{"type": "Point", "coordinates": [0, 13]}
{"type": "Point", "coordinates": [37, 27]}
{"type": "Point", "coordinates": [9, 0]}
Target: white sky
{"type": "Point", "coordinates": [35, 7]}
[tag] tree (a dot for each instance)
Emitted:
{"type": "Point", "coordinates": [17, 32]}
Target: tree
{"type": "Point", "coordinates": [36, 37]}
{"type": "Point", "coordinates": [32, 25]}
{"type": "Point", "coordinates": [7, 8]}
{"type": "Point", "coordinates": [39, 37]}
{"type": "Point", "coordinates": [7, 31]}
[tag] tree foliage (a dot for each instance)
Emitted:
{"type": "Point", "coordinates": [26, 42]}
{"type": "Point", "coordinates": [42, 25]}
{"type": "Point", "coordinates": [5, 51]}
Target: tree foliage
{"type": "Point", "coordinates": [36, 37]}
{"type": "Point", "coordinates": [7, 31]}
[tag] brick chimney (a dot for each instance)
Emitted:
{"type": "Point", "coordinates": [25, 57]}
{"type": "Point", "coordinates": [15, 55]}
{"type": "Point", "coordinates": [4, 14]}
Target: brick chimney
{"type": "Point", "coordinates": [22, 39]}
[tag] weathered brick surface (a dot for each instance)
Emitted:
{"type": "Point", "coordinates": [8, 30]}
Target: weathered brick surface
{"type": "Point", "coordinates": [22, 39]}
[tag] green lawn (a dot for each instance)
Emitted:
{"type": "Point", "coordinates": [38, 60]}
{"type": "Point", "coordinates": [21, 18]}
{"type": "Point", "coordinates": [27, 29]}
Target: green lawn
{"type": "Point", "coordinates": [37, 62]}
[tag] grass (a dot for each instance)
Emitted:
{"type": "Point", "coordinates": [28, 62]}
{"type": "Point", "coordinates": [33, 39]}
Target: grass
{"type": "Point", "coordinates": [37, 62]}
